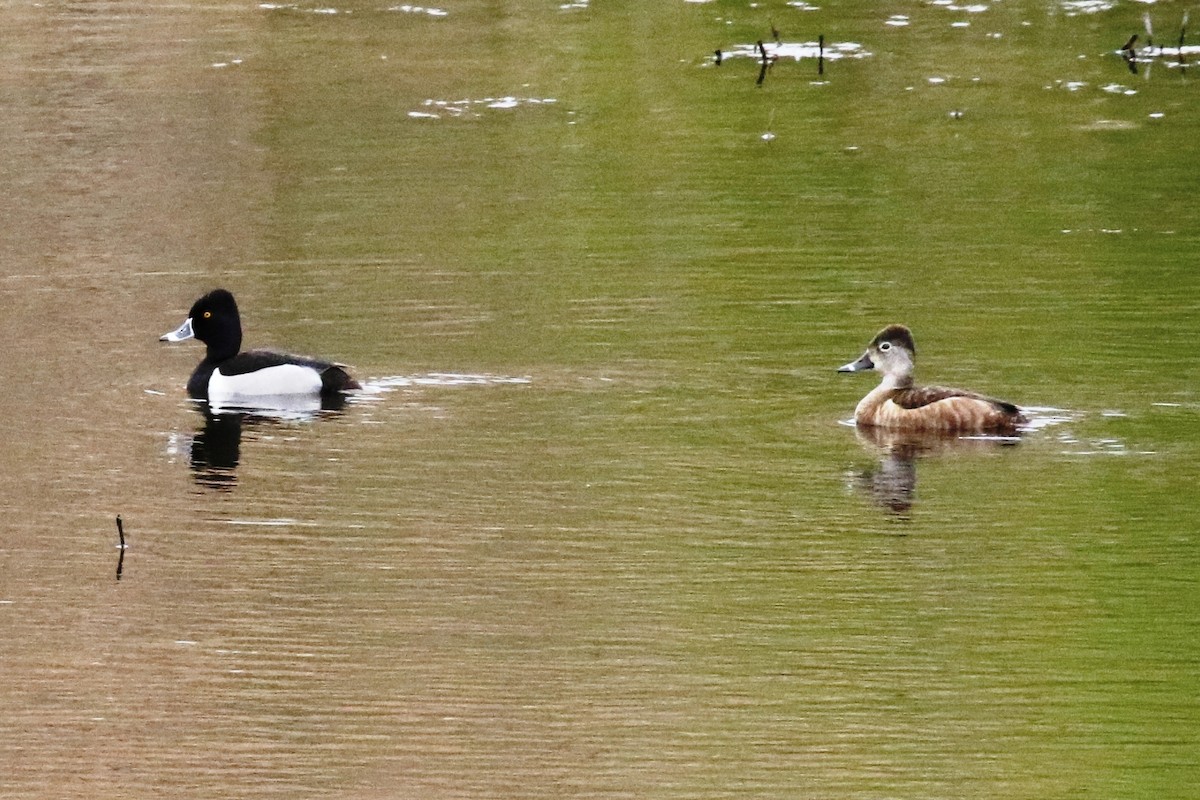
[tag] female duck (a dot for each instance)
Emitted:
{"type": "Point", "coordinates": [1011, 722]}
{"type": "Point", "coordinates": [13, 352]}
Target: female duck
{"type": "Point", "coordinates": [225, 373]}
{"type": "Point", "coordinates": [898, 405]}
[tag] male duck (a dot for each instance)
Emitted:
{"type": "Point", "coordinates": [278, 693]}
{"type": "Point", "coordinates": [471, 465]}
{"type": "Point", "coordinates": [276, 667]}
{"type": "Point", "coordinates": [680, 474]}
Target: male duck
{"type": "Point", "coordinates": [225, 373]}
{"type": "Point", "coordinates": [898, 405]}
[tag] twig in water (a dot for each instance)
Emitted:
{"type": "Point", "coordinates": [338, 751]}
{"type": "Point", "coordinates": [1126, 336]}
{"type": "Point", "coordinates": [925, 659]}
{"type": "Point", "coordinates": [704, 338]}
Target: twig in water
{"type": "Point", "coordinates": [1128, 53]}
{"type": "Point", "coordinates": [717, 56]}
{"type": "Point", "coordinates": [1182, 34]}
{"type": "Point", "coordinates": [767, 61]}
{"type": "Point", "coordinates": [821, 54]}
{"type": "Point", "coordinates": [121, 535]}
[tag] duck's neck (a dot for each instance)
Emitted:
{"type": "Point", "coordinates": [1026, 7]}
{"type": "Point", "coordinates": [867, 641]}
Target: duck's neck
{"type": "Point", "coordinates": [877, 396]}
{"type": "Point", "coordinates": [225, 346]}
{"type": "Point", "coordinates": [216, 355]}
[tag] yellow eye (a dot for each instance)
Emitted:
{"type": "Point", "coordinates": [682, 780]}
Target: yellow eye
{"type": "Point", "coordinates": [207, 314]}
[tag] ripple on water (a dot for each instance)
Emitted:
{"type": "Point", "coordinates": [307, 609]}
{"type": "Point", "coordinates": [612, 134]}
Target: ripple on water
{"type": "Point", "coordinates": [299, 9]}
{"type": "Point", "coordinates": [423, 10]}
{"type": "Point", "coordinates": [1117, 88]}
{"type": "Point", "coordinates": [950, 5]}
{"type": "Point", "coordinates": [375, 387]}
{"type": "Point", "coordinates": [1076, 7]}
{"type": "Point", "coordinates": [1043, 418]}
{"type": "Point", "coordinates": [475, 107]}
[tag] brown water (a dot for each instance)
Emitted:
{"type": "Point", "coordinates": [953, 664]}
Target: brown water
{"type": "Point", "coordinates": [595, 529]}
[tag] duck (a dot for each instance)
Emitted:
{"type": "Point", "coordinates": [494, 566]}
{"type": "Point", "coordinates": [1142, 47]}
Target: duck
{"type": "Point", "coordinates": [226, 373]}
{"type": "Point", "coordinates": [897, 404]}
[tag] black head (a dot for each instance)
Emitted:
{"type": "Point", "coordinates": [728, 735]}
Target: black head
{"type": "Point", "coordinates": [213, 320]}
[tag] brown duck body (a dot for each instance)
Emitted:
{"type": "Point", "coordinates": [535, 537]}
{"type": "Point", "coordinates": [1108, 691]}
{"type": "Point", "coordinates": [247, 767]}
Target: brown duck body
{"type": "Point", "coordinates": [896, 404]}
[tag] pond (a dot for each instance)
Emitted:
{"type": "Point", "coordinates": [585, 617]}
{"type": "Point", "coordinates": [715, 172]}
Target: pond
{"type": "Point", "coordinates": [599, 524]}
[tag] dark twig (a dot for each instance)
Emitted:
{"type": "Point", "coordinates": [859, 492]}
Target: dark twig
{"type": "Point", "coordinates": [1182, 35]}
{"type": "Point", "coordinates": [821, 54]}
{"type": "Point", "coordinates": [717, 56]}
{"type": "Point", "coordinates": [121, 535]}
{"type": "Point", "coordinates": [1129, 54]}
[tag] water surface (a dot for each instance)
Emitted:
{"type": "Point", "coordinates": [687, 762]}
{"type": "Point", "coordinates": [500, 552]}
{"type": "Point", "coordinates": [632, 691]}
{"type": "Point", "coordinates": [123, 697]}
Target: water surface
{"type": "Point", "coordinates": [595, 528]}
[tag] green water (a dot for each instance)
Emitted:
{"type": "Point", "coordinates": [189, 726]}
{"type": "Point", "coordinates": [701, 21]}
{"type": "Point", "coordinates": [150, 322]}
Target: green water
{"type": "Point", "coordinates": [633, 553]}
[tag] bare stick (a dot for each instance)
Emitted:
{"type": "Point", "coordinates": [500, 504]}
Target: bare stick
{"type": "Point", "coordinates": [1182, 35]}
{"type": "Point", "coordinates": [121, 535]}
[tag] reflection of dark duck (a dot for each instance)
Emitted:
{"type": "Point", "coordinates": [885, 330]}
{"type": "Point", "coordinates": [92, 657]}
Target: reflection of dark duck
{"type": "Point", "coordinates": [216, 450]}
{"type": "Point", "coordinates": [216, 446]}
{"type": "Point", "coordinates": [896, 404]}
{"type": "Point", "coordinates": [226, 372]}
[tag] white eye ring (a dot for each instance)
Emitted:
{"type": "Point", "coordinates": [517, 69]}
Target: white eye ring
{"type": "Point", "coordinates": [885, 346]}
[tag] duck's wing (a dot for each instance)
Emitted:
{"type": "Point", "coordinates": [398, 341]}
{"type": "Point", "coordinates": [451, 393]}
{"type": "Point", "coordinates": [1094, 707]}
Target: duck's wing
{"type": "Point", "coordinates": [334, 377]}
{"type": "Point", "coordinates": [254, 360]}
{"type": "Point", "coordinates": [919, 397]}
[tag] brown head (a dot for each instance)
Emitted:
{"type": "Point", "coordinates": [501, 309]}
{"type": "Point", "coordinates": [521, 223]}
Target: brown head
{"type": "Point", "coordinates": [896, 335]}
{"type": "Point", "coordinates": [892, 352]}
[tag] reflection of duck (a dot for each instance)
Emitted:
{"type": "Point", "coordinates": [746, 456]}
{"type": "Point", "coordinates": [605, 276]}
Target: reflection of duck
{"type": "Point", "coordinates": [893, 483]}
{"type": "Point", "coordinates": [216, 450]}
{"type": "Point", "coordinates": [230, 377]}
{"type": "Point", "coordinates": [898, 405]}
{"type": "Point", "coordinates": [217, 445]}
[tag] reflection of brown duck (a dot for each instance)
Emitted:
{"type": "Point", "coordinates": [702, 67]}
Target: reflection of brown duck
{"type": "Point", "coordinates": [916, 444]}
{"type": "Point", "coordinates": [892, 484]}
{"type": "Point", "coordinates": [896, 404]}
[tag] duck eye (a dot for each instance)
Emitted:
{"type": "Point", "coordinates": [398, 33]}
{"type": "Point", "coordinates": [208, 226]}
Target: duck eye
{"type": "Point", "coordinates": [208, 315]}
{"type": "Point", "coordinates": [883, 346]}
